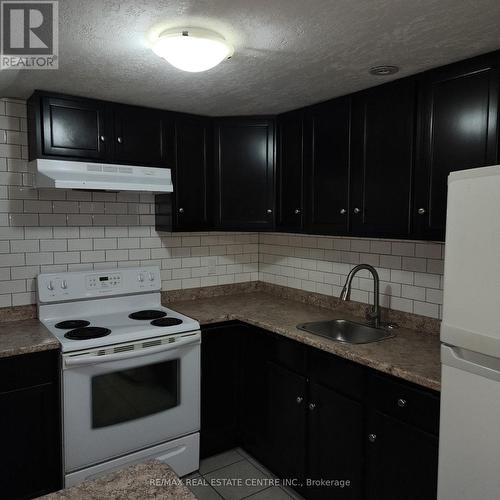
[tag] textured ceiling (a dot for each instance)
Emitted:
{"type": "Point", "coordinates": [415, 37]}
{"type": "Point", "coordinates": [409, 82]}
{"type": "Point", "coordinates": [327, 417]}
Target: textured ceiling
{"type": "Point", "coordinates": [288, 53]}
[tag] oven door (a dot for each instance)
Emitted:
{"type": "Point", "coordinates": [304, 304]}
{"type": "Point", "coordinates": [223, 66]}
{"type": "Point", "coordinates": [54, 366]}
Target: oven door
{"type": "Point", "coordinates": [131, 397]}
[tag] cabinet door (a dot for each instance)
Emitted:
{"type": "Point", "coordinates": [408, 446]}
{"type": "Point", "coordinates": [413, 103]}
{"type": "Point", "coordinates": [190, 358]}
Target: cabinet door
{"type": "Point", "coordinates": [328, 133]}
{"type": "Point", "coordinates": [139, 136]}
{"type": "Point", "coordinates": [335, 444]}
{"type": "Point", "coordinates": [75, 128]}
{"type": "Point", "coordinates": [459, 130]}
{"type": "Point", "coordinates": [402, 461]}
{"type": "Point", "coordinates": [287, 423]}
{"type": "Point", "coordinates": [219, 385]}
{"type": "Point", "coordinates": [382, 159]}
{"type": "Point", "coordinates": [30, 435]}
{"type": "Point", "coordinates": [253, 393]}
{"type": "Point", "coordinates": [191, 174]}
{"type": "Point", "coordinates": [244, 159]}
{"type": "Point", "coordinates": [290, 178]}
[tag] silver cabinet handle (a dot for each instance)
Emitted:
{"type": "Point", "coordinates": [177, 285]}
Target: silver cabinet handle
{"type": "Point", "coordinates": [357, 210]}
{"type": "Point", "coordinates": [269, 211]}
{"type": "Point", "coordinates": [181, 210]}
{"type": "Point", "coordinates": [312, 406]}
{"type": "Point", "coordinates": [119, 139]}
{"type": "Point", "coordinates": [343, 211]}
{"type": "Point", "coordinates": [372, 438]}
{"type": "Point", "coordinates": [299, 399]}
{"type": "Point", "coordinates": [401, 402]}
{"type": "Point", "coordinates": [296, 211]}
{"type": "Point", "coordinates": [421, 211]}
{"type": "Point", "coordinates": [102, 138]}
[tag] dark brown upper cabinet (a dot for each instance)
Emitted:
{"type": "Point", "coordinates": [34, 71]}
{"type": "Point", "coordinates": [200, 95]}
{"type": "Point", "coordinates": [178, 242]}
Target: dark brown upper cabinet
{"type": "Point", "coordinates": [290, 172]}
{"type": "Point", "coordinates": [244, 172]}
{"type": "Point", "coordinates": [327, 137]}
{"type": "Point", "coordinates": [69, 127]}
{"type": "Point", "coordinates": [382, 149]}
{"type": "Point", "coordinates": [458, 130]}
{"type": "Point", "coordinates": [192, 176]}
{"type": "Point", "coordinates": [86, 129]}
{"type": "Point", "coordinates": [139, 135]}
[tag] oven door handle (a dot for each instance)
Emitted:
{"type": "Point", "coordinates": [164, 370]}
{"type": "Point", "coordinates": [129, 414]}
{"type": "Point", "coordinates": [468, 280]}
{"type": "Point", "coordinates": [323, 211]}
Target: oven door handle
{"type": "Point", "coordinates": [91, 360]}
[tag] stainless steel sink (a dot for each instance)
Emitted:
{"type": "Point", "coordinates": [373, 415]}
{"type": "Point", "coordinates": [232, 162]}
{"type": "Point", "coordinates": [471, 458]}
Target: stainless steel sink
{"type": "Point", "coordinates": [346, 331]}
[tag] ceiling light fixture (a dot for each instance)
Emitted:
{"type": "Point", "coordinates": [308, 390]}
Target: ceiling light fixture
{"type": "Point", "coordinates": [192, 49]}
{"type": "Point", "coordinates": [383, 70]}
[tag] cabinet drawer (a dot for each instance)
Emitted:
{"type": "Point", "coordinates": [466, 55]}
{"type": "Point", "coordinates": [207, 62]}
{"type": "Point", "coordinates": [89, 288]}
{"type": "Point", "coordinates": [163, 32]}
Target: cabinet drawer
{"type": "Point", "coordinates": [405, 402]}
{"type": "Point", "coordinates": [336, 373]}
{"type": "Point", "coordinates": [28, 370]}
{"type": "Point", "coordinates": [289, 354]}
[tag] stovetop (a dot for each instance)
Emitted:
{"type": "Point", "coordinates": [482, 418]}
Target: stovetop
{"type": "Point", "coordinates": [82, 318]}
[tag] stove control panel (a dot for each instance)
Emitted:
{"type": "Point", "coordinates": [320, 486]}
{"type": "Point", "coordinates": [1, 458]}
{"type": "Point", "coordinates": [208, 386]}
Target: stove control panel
{"type": "Point", "coordinates": [103, 281]}
{"type": "Point", "coordinates": [88, 284]}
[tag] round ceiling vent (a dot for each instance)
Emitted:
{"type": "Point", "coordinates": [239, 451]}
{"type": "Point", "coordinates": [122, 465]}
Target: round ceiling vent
{"type": "Point", "coordinates": [383, 70]}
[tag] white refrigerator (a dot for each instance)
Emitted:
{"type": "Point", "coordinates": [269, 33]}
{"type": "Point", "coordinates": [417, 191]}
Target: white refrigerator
{"type": "Point", "coordinates": [469, 441]}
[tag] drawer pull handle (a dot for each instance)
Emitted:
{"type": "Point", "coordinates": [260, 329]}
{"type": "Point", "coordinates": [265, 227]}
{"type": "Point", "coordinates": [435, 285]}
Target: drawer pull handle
{"type": "Point", "coordinates": [401, 402]}
{"type": "Point", "coordinates": [312, 406]}
{"type": "Point", "coordinates": [299, 399]}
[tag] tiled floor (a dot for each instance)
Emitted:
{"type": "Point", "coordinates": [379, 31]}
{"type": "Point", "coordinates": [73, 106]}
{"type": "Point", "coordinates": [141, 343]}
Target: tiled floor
{"type": "Point", "coordinates": [234, 475]}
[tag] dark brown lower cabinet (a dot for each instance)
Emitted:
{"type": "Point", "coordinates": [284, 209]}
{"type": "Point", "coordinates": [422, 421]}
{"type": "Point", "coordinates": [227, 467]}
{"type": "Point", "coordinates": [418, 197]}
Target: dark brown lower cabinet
{"type": "Point", "coordinates": [335, 447]}
{"type": "Point", "coordinates": [30, 430]}
{"type": "Point", "coordinates": [287, 423]}
{"type": "Point", "coordinates": [331, 428]}
{"type": "Point", "coordinates": [402, 460]}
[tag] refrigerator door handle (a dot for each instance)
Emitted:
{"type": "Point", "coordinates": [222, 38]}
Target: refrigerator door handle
{"type": "Point", "coordinates": [470, 361]}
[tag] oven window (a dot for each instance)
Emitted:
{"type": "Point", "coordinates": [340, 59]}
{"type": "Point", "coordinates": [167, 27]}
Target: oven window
{"type": "Point", "coordinates": [135, 393]}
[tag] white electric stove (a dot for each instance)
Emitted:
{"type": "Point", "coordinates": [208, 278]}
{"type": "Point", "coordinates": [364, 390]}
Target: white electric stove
{"type": "Point", "coordinates": [131, 371]}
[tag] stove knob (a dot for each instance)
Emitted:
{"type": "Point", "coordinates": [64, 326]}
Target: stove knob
{"type": "Point", "coordinates": [64, 285]}
{"type": "Point", "coordinates": [140, 277]}
{"type": "Point", "coordinates": [50, 286]}
{"type": "Point", "coordinates": [151, 277]}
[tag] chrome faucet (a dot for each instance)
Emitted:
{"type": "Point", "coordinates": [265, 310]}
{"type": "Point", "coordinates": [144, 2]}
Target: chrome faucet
{"type": "Point", "coordinates": [346, 291]}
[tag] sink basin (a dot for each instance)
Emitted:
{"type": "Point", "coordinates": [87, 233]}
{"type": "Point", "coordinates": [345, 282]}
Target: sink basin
{"type": "Point", "coordinates": [346, 331]}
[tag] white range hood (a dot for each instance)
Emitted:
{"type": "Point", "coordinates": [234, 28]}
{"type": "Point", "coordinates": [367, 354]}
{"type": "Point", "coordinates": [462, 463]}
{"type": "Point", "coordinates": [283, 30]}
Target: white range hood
{"type": "Point", "coordinates": [100, 176]}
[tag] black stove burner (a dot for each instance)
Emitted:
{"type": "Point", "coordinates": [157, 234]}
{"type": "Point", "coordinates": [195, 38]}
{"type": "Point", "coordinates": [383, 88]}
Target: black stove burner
{"type": "Point", "coordinates": [166, 322]}
{"type": "Point", "coordinates": [89, 332]}
{"type": "Point", "coordinates": [148, 314]}
{"type": "Point", "coordinates": [72, 323]}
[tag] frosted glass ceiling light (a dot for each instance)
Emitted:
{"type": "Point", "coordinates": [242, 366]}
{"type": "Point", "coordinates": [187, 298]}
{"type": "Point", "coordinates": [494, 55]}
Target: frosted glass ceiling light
{"type": "Point", "coordinates": [192, 49]}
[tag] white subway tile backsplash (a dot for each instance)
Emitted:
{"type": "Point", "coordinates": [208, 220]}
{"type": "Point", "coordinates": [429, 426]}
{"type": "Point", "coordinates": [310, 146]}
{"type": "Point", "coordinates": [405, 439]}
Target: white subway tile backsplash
{"type": "Point", "coordinates": [404, 280]}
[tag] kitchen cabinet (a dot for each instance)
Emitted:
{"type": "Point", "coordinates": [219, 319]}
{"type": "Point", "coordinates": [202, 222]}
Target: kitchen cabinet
{"type": "Point", "coordinates": [244, 173]}
{"type": "Point", "coordinates": [290, 172]}
{"type": "Point", "coordinates": [139, 136]}
{"type": "Point", "coordinates": [192, 174]}
{"type": "Point", "coordinates": [74, 128]}
{"type": "Point", "coordinates": [401, 440]}
{"type": "Point", "coordinates": [309, 415]}
{"type": "Point", "coordinates": [328, 166]}
{"type": "Point", "coordinates": [255, 345]}
{"type": "Point", "coordinates": [458, 130]}
{"type": "Point", "coordinates": [219, 388]}
{"type": "Point", "coordinates": [64, 126]}
{"type": "Point", "coordinates": [382, 150]}
{"type": "Point", "coordinates": [287, 423]}
{"type": "Point", "coordinates": [31, 428]}
{"type": "Point", "coordinates": [402, 461]}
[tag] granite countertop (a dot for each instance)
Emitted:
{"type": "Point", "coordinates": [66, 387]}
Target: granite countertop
{"type": "Point", "coordinates": [25, 336]}
{"type": "Point", "coordinates": [148, 480]}
{"type": "Point", "coordinates": [410, 355]}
